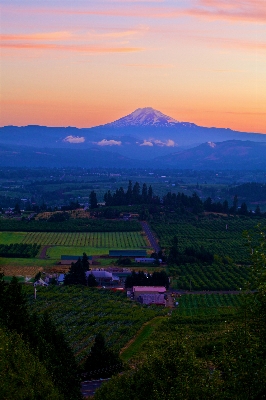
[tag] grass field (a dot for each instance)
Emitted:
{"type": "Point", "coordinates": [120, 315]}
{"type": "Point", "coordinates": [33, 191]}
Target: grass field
{"type": "Point", "coordinates": [133, 347]}
{"type": "Point", "coordinates": [119, 240]}
{"type": "Point", "coordinates": [12, 237]}
{"type": "Point", "coordinates": [55, 252]}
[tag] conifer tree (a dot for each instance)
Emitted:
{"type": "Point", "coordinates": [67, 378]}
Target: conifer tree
{"type": "Point", "coordinates": [76, 274]}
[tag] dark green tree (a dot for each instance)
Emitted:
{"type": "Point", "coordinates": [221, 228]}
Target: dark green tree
{"type": "Point", "coordinates": [129, 192]}
{"type": "Point", "coordinates": [14, 308]}
{"type": "Point", "coordinates": [17, 209]}
{"type": "Point", "coordinates": [144, 193]}
{"type": "Point", "coordinates": [92, 281]}
{"type": "Point", "coordinates": [93, 200]}
{"type": "Point", "coordinates": [85, 262]}
{"type": "Point", "coordinates": [173, 251]}
{"type": "Point", "coordinates": [101, 361]}
{"type": "Point", "coordinates": [76, 274]}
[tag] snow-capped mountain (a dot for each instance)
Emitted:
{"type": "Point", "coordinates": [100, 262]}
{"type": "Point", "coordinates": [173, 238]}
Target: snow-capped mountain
{"type": "Point", "coordinates": [143, 135]}
{"type": "Point", "coordinates": [145, 117]}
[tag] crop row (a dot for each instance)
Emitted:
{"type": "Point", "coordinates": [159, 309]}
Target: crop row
{"type": "Point", "coordinates": [92, 239]}
{"type": "Point", "coordinates": [211, 277]}
{"type": "Point", "coordinates": [83, 312]}
{"type": "Point", "coordinates": [224, 238]}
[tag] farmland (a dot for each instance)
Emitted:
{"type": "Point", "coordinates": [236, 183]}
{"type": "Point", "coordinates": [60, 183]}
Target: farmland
{"type": "Point", "coordinates": [208, 304]}
{"type": "Point", "coordinates": [221, 236]}
{"type": "Point", "coordinates": [82, 313]}
{"type": "Point", "coordinates": [210, 277]}
{"type": "Point", "coordinates": [132, 240]}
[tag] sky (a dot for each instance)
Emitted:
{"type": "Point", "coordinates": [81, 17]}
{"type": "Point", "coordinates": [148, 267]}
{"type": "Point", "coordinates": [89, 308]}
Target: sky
{"type": "Point", "coordinates": [85, 63]}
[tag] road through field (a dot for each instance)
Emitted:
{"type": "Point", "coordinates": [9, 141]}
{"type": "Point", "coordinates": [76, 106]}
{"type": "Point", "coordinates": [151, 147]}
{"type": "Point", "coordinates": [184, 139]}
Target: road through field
{"type": "Point", "coordinates": [150, 236]}
{"type": "Point", "coordinates": [43, 252]}
{"type": "Point", "coordinates": [132, 347]}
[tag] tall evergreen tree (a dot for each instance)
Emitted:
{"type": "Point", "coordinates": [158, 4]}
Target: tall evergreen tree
{"type": "Point", "coordinates": [76, 274]}
{"type": "Point", "coordinates": [101, 361]}
{"type": "Point", "coordinates": [144, 193]}
{"type": "Point", "coordinates": [93, 200]}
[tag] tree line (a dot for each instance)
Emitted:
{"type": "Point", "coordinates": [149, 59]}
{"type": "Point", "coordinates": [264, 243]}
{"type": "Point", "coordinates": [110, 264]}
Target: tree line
{"type": "Point", "coordinates": [189, 255]}
{"type": "Point", "coordinates": [19, 250]}
{"type": "Point", "coordinates": [157, 278]}
{"type": "Point", "coordinates": [50, 370]}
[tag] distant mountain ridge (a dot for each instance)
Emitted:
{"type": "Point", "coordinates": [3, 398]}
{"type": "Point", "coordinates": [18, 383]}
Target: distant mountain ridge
{"type": "Point", "coordinates": [146, 136]}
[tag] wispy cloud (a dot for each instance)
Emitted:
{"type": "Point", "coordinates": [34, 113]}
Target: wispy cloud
{"type": "Point", "coordinates": [146, 143]}
{"type": "Point", "coordinates": [47, 36]}
{"type": "Point", "coordinates": [90, 42]}
{"type": "Point", "coordinates": [237, 10]}
{"type": "Point", "coordinates": [168, 143]}
{"type": "Point", "coordinates": [253, 11]}
{"type": "Point", "coordinates": [111, 142]}
{"type": "Point", "coordinates": [149, 66]}
{"type": "Point", "coordinates": [74, 139]}
{"type": "Point", "coordinates": [67, 47]}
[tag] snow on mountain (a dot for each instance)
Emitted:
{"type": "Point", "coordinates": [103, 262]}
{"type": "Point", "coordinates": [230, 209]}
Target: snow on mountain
{"type": "Point", "coordinates": [144, 117]}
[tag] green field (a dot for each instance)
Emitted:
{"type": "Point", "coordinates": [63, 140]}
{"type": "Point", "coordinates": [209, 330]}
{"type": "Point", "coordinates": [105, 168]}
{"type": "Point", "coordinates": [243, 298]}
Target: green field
{"type": "Point", "coordinates": [110, 240]}
{"type": "Point", "coordinates": [82, 313]}
{"type": "Point", "coordinates": [209, 277]}
{"type": "Point", "coordinates": [221, 236]}
{"type": "Point", "coordinates": [12, 237]}
{"type": "Point", "coordinates": [55, 252]}
{"type": "Point", "coordinates": [72, 243]}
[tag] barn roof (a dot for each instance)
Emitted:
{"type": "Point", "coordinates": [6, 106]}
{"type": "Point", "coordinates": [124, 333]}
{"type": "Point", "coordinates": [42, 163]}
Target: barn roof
{"type": "Point", "coordinates": [73, 258]}
{"type": "Point", "coordinates": [154, 289]}
{"type": "Point", "coordinates": [127, 253]}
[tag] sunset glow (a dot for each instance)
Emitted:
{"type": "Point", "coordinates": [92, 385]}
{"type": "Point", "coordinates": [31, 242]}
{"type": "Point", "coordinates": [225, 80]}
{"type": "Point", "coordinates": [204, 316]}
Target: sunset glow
{"type": "Point", "coordinates": [85, 63]}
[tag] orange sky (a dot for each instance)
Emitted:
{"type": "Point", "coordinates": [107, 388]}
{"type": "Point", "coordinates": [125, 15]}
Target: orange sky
{"type": "Point", "coordinates": [87, 63]}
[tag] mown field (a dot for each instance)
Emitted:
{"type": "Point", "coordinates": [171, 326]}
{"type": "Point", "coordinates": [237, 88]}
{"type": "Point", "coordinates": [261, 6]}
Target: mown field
{"type": "Point", "coordinates": [221, 236]}
{"type": "Point", "coordinates": [119, 240]}
{"type": "Point", "coordinates": [83, 312]}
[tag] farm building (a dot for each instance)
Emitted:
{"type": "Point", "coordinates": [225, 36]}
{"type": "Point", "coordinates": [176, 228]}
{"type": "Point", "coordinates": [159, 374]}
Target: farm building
{"type": "Point", "coordinates": [60, 279]}
{"type": "Point", "coordinates": [122, 273]}
{"type": "Point", "coordinates": [149, 294]}
{"type": "Point", "coordinates": [146, 260]}
{"type": "Point", "coordinates": [102, 276]}
{"type": "Point", "coordinates": [129, 216]}
{"type": "Point", "coordinates": [68, 260]}
{"type": "Point", "coordinates": [40, 282]}
{"type": "Point", "coordinates": [127, 253]}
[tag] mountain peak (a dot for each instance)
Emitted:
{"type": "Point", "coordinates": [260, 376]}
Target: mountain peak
{"type": "Point", "coordinates": [144, 117]}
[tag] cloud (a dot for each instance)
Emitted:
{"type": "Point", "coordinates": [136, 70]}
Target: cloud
{"type": "Point", "coordinates": [65, 47]}
{"type": "Point", "coordinates": [146, 143]}
{"type": "Point", "coordinates": [48, 36]}
{"type": "Point", "coordinates": [168, 143]}
{"type": "Point", "coordinates": [111, 142]}
{"type": "Point", "coordinates": [237, 10]}
{"type": "Point", "coordinates": [253, 11]}
{"type": "Point", "coordinates": [74, 139]}
{"type": "Point", "coordinates": [157, 142]}
{"type": "Point", "coordinates": [149, 66]}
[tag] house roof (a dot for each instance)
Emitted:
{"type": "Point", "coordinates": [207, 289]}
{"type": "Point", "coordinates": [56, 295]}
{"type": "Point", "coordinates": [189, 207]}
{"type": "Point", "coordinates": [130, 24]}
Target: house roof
{"type": "Point", "coordinates": [150, 289]}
